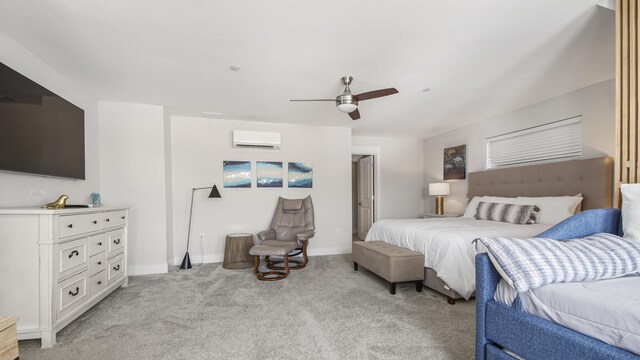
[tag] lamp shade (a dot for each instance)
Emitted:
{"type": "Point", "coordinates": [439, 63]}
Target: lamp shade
{"type": "Point", "coordinates": [439, 189]}
{"type": "Point", "coordinates": [214, 192]}
{"type": "Point", "coordinates": [347, 107]}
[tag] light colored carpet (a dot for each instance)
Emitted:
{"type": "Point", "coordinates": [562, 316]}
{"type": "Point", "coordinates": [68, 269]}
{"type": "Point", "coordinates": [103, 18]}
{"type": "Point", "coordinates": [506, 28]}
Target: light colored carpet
{"type": "Point", "coordinates": [326, 311]}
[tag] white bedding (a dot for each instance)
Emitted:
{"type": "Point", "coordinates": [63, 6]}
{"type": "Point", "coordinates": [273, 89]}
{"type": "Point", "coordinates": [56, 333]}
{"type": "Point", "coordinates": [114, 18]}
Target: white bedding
{"type": "Point", "coordinates": [446, 243]}
{"type": "Point", "coordinates": [608, 310]}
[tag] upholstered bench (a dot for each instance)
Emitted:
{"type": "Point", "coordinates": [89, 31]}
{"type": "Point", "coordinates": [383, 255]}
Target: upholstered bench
{"type": "Point", "coordinates": [390, 262]}
{"type": "Point", "coordinates": [270, 250]}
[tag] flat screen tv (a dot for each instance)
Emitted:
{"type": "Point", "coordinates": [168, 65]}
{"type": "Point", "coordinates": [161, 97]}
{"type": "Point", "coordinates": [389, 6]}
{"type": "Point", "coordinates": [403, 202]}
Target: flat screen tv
{"type": "Point", "coordinates": [40, 132]}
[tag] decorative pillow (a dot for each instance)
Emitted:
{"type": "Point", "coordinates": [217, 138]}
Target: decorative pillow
{"type": "Point", "coordinates": [470, 212]}
{"type": "Point", "coordinates": [530, 263]}
{"type": "Point", "coordinates": [553, 209]}
{"type": "Point", "coordinates": [631, 211]}
{"type": "Point", "coordinates": [511, 213]}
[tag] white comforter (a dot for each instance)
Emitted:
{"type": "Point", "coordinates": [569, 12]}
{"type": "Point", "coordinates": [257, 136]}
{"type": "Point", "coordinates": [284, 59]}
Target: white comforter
{"type": "Point", "coordinates": [447, 243]}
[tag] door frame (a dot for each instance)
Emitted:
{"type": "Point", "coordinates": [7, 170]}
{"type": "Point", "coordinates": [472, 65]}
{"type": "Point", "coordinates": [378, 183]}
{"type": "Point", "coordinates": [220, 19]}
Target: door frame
{"type": "Point", "coordinates": [377, 178]}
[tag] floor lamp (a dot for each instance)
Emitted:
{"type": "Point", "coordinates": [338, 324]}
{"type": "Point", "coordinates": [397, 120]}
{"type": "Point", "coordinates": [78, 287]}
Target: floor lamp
{"type": "Point", "coordinates": [186, 262]}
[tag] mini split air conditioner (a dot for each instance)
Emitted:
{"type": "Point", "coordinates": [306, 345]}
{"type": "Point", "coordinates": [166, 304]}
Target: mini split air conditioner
{"type": "Point", "coordinates": [256, 139]}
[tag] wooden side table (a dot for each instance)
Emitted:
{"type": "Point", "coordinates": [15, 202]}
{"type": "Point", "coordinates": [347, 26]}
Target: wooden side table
{"type": "Point", "coordinates": [236, 251]}
{"type": "Point", "coordinates": [8, 339]}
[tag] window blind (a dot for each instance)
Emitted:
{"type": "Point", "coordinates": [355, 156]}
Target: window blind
{"type": "Point", "coordinates": [556, 141]}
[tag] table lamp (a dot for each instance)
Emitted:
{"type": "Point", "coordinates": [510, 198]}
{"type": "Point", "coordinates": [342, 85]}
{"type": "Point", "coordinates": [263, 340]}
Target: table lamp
{"type": "Point", "coordinates": [186, 261]}
{"type": "Point", "coordinates": [439, 190]}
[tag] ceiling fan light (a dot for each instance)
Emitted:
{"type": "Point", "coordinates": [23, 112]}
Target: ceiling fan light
{"type": "Point", "coordinates": [347, 108]}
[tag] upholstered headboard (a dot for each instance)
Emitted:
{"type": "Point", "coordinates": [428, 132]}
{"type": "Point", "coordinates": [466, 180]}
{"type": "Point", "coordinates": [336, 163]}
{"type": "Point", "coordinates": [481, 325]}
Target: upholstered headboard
{"type": "Point", "coordinates": [591, 177]}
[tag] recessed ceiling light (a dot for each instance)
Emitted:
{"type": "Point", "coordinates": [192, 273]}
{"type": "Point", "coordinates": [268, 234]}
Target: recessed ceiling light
{"type": "Point", "coordinates": [234, 68]}
{"type": "Point", "coordinates": [209, 113]}
{"type": "Point", "coordinates": [426, 89]}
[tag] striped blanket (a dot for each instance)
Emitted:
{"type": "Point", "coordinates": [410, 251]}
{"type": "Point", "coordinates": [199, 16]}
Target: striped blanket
{"type": "Point", "coordinates": [529, 263]}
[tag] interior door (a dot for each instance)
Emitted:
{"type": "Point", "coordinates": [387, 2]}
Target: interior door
{"type": "Point", "coordinates": [365, 196]}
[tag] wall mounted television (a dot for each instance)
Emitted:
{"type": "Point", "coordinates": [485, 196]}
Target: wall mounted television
{"type": "Point", "coordinates": [40, 132]}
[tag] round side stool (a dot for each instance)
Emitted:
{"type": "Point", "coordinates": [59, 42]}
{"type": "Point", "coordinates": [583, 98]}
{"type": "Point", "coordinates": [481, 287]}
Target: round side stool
{"type": "Point", "coordinates": [236, 251]}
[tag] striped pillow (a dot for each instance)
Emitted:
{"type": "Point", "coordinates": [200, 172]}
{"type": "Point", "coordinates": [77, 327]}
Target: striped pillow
{"type": "Point", "coordinates": [511, 213]}
{"type": "Point", "coordinates": [529, 263]}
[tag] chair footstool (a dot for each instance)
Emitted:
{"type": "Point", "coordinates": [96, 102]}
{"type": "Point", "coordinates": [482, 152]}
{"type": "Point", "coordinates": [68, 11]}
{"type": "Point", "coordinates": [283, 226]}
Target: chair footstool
{"type": "Point", "coordinates": [270, 250]}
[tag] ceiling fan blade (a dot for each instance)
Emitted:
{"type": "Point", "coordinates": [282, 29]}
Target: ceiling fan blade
{"type": "Point", "coordinates": [312, 100]}
{"type": "Point", "coordinates": [355, 114]}
{"type": "Point", "coordinates": [376, 94]}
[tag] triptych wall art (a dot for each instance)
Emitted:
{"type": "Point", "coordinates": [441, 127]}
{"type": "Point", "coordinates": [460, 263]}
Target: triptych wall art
{"type": "Point", "coordinates": [269, 174]}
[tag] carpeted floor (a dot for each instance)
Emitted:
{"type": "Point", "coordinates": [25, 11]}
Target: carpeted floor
{"type": "Point", "coordinates": [326, 311]}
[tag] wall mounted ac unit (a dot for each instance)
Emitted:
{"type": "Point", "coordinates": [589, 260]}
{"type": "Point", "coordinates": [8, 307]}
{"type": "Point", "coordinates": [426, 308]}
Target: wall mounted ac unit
{"type": "Point", "coordinates": [256, 139]}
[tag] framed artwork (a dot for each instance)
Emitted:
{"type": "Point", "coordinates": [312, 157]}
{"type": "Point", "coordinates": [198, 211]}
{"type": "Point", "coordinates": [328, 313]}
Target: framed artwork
{"type": "Point", "coordinates": [237, 174]}
{"type": "Point", "coordinates": [269, 174]}
{"type": "Point", "coordinates": [300, 175]}
{"type": "Point", "coordinates": [455, 163]}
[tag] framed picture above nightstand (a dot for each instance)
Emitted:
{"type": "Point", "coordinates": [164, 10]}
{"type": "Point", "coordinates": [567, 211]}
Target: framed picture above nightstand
{"type": "Point", "coordinates": [434, 215]}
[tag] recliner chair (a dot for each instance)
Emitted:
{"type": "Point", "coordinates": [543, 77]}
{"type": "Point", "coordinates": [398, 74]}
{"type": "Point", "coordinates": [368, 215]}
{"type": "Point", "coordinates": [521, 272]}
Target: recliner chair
{"type": "Point", "coordinates": [293, 223]}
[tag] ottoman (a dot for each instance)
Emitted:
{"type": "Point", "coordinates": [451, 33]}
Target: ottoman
{"type": "Point", "coordinates": [270, 250]}
{"type": "Point", "coordinates": [390, 262]}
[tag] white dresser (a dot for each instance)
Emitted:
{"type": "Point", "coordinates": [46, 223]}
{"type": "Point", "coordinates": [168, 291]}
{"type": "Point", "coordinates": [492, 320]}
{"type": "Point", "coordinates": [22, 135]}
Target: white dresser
{"type": "Point", "coordinates": [56, 264]}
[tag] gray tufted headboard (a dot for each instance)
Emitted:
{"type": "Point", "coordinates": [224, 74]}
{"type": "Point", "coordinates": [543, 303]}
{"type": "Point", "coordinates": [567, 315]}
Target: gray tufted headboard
{"type": "Point", "coordinates": [591, 177]}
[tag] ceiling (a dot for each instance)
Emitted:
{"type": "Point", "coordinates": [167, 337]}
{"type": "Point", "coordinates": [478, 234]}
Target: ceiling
{"type": "Point", "coordinates": [479, 58]}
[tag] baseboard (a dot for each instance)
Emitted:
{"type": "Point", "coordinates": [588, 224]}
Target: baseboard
{"type": "Point", "coordinates": [330, 251]}
{"type": "Point", "coordinates": [217, 258]}
{"type": "Point", "coordinates": [148, 269]}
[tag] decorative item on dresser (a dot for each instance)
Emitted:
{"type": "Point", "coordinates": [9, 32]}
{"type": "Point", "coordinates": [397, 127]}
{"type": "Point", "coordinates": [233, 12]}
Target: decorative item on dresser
{"type": "Point", "coordinates": [58, 204]}
{"type": "Point", "coordinates": [58, 264]}
{"type": "Point", "coordinates": [439, 190]}
{"type": "Point", "coordinates": [186, 261]}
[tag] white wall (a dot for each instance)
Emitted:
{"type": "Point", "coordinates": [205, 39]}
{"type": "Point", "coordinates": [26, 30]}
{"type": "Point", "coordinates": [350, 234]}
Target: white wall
{"type": "Point", "coordinates": [15, 189]}
{"type": "Point", "coordinates": [595, 103]}
{"type": "Point", "coordinates": [401, 175]}
{"type": "Point", "coordinates": [133, 173]}
{"type": "Point", "coordinates": [199, 146]}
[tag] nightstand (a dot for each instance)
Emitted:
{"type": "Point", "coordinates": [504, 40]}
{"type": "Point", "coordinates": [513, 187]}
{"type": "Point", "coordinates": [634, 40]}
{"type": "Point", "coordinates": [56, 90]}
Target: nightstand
{"type": "Point", "coordinates": [433, 215]}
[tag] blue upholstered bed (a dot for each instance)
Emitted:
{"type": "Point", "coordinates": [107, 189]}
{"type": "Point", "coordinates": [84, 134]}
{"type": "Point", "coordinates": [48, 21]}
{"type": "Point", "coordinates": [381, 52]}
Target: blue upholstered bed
{"type": "Point", "coordinates": [499, 327]}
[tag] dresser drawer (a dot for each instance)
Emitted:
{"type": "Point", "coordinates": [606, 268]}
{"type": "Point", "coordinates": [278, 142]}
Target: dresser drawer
{"type": "Point", "coordinates": [98, 244]}
{"type": "Point", "coordinates": [72, 293]}
{"type": "Point", "coordinates": [70, 225]}
{"type": "Point", "coordinates": [116, 242]}
{"type": "Point", "coordinates": [97, 263]}
{"type": "Point", "coordinates": [113, 218]}
{"type": "Point", "coordinates": [115, 268]}
{"type": "Point", "coordinates": [72, 257]}
{"type": "Point", "coordinates": [97, 283]}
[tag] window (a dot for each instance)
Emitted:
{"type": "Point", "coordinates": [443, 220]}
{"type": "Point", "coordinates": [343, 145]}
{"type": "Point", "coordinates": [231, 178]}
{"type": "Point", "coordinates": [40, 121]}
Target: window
{"type": "Point", "coordinates": [556, 141]}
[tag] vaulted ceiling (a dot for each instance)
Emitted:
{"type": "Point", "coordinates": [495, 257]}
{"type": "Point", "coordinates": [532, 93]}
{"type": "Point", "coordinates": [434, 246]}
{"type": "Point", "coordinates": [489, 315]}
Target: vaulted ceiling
{"type": "Point", "coordinates": [477, 58]}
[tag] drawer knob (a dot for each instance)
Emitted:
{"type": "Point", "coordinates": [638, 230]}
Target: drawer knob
{"type": "Point", "coordinates": [117, 267]}
{"type": "Point", "coordinates": [122, 218]}
{"type": "Point", "coordinates": [107, 220]}
{"type": "Point", "coordinates": [116, 241]}
{"type": "Point", "coordinates": [99, 243]}
{"type": "Point", "coordinates": [99, 262]}
{"type": "Point", "coordinates": [70, 226]}
{"type": "Point", "coordinates": [74, 252]}
{"type": "Point", "coordinates": [76, 293]}
{"type": "Point", "coordinates": [95, 221]}
{"type": "Point", "coordinates": [99, 282]}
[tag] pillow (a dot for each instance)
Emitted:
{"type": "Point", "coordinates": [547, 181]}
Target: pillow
{"type": "Point", "coordinates": [553, 209]}
{"type": "Point", "coordinates": [631, 211]}
{"type": "Point", "coordinates": [470, 211]}
{"type": "Point", "coordinates": [530, 263]}
{"type": "Point", "coordinates": [511, 213]}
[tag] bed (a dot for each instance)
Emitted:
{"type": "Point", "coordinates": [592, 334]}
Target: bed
{"type": "Point", "coordinates": [583, 320]}
{"type": "Point", "coordinates": [447, 242]}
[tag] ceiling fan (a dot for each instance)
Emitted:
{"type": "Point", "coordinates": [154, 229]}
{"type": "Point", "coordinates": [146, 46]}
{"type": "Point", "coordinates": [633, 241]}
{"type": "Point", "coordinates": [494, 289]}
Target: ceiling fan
{"type": "Point", "coordinates": [348, 102]}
